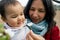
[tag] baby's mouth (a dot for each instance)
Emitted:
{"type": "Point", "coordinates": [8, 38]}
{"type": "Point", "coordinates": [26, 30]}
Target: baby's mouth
{"type": "Point", "coordinates": [21, 22]}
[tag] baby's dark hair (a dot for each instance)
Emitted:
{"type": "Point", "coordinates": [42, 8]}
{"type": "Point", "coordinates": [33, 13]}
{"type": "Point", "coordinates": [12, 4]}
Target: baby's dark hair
{"type": "Point", "coordinates": [4, 4]}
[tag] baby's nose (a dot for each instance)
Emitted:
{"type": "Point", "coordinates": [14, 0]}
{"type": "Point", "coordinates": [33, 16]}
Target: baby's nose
{"type": "Point", "coordinates": [19, 18]}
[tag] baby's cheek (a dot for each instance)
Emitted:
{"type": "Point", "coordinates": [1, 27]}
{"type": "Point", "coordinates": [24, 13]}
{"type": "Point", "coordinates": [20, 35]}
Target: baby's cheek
{"type": "Point", "coordinates": [23, 18]}
{"type": "Point", "coordinates": [13, 23]}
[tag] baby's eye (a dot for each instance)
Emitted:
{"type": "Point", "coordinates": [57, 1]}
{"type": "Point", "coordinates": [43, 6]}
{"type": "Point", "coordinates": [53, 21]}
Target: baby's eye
{"type": "Point", "coordinates": [14, 16]}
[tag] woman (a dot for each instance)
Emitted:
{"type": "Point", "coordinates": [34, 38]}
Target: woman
{"type": "Point", "coordinates": [40, 15]}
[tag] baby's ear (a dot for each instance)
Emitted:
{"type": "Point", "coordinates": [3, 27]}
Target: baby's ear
{"type": "Point", "coordinates": [3, 19]}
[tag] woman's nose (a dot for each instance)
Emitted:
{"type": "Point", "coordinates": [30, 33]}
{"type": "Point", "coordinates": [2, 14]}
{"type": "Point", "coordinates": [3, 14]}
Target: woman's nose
{"type": "Point", "coordinates": [35, 14]}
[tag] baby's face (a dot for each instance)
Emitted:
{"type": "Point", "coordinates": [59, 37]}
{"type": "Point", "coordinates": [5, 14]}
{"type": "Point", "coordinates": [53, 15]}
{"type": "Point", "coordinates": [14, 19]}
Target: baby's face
{"type": "Point", "coordinates": [14, 15]}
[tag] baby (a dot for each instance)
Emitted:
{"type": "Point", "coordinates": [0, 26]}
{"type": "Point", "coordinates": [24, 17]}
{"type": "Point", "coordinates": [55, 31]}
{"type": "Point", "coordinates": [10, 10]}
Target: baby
{"type": "Point", "coordinates": [14, 21]}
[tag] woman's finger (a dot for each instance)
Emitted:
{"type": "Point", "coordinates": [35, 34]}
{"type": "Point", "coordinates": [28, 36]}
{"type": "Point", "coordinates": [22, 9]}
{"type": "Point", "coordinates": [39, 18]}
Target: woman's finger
{"type": "Point", "coordinates": [35, 36]}
{"type": "Point", "coordinates": [28, 37]}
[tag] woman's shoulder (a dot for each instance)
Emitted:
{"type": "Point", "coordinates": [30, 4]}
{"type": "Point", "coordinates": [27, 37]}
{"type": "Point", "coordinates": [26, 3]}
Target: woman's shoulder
{"type": "Point", "coordinates": [55, 28]}
{"type": "Point", "coordinates": [53, 34]}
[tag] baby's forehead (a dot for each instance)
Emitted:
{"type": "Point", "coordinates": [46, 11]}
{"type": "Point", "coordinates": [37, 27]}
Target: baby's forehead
{"type": "Point", "coordinates": [14, 8]}
{"type": "Point", "coordinates": [14, 5]}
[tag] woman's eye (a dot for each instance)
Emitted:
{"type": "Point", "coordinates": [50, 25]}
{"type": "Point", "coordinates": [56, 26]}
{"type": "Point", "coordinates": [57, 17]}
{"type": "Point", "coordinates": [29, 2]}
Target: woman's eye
{"type": "Point", "coordinates": [32, 9]}
{"type": "Point", "coordinates": [41, 10]}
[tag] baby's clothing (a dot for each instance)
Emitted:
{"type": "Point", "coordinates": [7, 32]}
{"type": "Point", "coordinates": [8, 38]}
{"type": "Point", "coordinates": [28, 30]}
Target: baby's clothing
{"type": "Point", "coordinates": [18, 33]}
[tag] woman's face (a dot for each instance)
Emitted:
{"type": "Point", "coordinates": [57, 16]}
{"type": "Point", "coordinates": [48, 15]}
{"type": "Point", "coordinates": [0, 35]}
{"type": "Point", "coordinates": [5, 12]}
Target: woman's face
{"type": "Point", "coordinates": [37, 11]}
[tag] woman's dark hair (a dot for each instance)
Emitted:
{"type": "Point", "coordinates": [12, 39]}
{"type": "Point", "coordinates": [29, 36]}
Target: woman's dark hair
{"type": "Point", "coordinates": [4, 3]}
{"type": "Point", "coordinates": [50, 13]}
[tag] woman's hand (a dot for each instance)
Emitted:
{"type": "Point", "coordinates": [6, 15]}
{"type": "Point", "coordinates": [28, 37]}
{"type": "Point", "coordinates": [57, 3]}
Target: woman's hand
{"type": "Point", "coordinates": [32, 36]}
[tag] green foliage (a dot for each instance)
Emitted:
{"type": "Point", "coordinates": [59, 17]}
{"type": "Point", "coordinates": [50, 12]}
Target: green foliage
{"type": "Point", "coordinates": [1, 25]}
{"type": "Point", "coordinates": [3, 34]}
